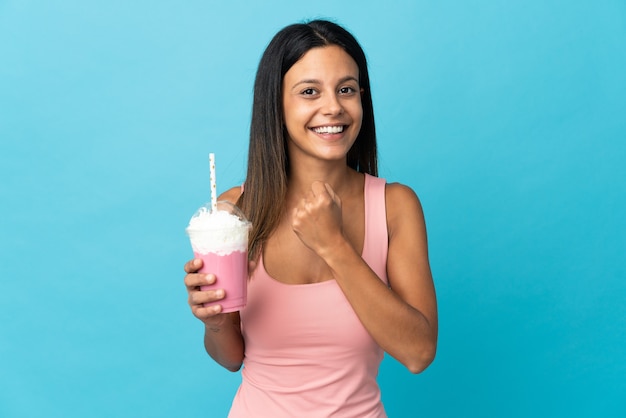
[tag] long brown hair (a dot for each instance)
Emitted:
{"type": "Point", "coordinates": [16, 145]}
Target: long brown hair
{"type": "Point", "coordinates": [268, 163]}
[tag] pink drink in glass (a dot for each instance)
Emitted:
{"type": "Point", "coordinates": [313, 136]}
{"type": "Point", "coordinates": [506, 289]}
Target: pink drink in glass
{"type": "Point", "coordinates": [220, 238]}
{"type": "Point", "coordinates": [231, 273]}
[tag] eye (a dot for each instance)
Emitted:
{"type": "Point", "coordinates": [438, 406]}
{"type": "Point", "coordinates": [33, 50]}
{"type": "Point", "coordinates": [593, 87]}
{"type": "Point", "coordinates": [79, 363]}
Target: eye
{"type": "Point", "coordinates": [308, 92]}
{"type": "Point", "coordinates": [347, 90]}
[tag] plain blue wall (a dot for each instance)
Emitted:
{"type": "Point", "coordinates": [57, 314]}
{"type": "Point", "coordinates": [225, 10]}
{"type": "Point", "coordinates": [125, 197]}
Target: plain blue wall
{"type": "Point", "coordinates": [506, 117]}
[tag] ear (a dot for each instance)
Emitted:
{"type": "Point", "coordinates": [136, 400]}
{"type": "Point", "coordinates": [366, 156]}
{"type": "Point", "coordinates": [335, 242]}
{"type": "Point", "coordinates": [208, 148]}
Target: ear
{"type": "Point", "coordinates": [362, 91]}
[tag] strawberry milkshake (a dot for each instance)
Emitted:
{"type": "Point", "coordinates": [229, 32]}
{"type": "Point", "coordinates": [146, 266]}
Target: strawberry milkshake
{"type": "Point", "coordinates": [220, 238]}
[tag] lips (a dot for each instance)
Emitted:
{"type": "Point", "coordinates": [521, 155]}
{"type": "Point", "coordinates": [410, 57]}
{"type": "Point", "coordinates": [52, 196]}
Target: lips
{"type": "Point", "coordinates": [334, 129]}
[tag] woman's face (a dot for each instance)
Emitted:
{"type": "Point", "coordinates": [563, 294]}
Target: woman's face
{"type": "Point", "coordinates": [322, 104]}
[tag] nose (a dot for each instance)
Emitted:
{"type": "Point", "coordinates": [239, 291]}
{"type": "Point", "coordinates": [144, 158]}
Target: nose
{"type": "Point", "coordinates": [332, 105]}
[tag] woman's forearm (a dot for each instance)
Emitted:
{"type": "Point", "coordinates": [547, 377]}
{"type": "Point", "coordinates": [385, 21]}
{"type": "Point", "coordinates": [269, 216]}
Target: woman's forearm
{"type": "Point", "coordinates": [399, 328]}
{"type": "Point", "coordinates": [225, 343]}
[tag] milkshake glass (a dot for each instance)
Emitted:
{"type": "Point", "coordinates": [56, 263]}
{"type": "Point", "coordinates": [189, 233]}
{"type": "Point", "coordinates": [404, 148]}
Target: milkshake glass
{"type": "Point", "coordinates": [220, 239]}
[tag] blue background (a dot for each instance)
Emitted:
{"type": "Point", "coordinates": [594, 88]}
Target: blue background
{"type": "Point", "coordinates": [506, 117]}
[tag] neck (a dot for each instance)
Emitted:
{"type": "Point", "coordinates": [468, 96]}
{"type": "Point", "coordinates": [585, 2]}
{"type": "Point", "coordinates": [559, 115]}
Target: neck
{"type": "Point", "coordinates": [301, 176]}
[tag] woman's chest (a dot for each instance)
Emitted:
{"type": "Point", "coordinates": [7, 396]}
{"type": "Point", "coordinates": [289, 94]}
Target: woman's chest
{"type": "Point", "coordinates": [298, 318]}
{"type": "Point", "coordinates": [288, 260]}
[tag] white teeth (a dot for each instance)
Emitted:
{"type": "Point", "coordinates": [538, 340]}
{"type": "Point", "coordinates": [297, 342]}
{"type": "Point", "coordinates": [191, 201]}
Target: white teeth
{"type": "Point", "coordinates": [329, 129]}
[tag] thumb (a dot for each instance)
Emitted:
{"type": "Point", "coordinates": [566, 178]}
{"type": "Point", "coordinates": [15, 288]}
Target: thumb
{"type": "Point", "coordinates": [332, 194]}
{"type": "Point", "coordinates": [252, 265]}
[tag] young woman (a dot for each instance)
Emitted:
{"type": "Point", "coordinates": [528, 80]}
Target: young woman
{"type": "Point", "coordinates": [339, 267]}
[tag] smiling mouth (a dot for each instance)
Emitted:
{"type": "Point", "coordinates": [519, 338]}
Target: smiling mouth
{"type": "Point", "coordinates": [329, 129]}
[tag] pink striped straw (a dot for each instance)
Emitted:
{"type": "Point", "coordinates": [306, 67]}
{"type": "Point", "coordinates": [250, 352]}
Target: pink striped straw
{"type": "Point", "coordinates": [213, 184]}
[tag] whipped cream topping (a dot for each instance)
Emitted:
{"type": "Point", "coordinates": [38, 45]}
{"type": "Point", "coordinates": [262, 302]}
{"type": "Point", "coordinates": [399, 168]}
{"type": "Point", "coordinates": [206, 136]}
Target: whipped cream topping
{"type": "Point", "coordinates": [218, 232]}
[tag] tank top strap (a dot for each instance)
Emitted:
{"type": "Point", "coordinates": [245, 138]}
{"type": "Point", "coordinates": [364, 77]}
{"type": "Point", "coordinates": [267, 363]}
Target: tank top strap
{"type": "Point", "coordinates": [376, 244]}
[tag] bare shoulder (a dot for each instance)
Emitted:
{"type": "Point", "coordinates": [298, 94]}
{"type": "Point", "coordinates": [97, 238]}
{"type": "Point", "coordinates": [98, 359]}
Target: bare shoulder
{"type": "Point", "coordinates": [398, 192]}
{"type": "Point", "coordinates": [231, 195]}
{"type": "Point", "coordinates": [402, 205]}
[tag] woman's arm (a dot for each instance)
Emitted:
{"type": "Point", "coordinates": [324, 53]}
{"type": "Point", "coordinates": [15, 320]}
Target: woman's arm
{"type": "Point", "coordinates": [222, 336]}
{"type": "Point", "coordinates": [222, 332]}
{"type": "Point", "coordinates": [402, 318]}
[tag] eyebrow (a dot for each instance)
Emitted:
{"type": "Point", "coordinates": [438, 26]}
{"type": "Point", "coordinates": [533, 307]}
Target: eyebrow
{"type": "Point", "coordinates": [314, 81]}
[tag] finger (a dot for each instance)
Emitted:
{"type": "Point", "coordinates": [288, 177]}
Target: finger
{"type": "Point", "coordinates": [304, 205]}
{"type": "Point", "coordinates": [295, 219]}
{"type": "Point", "coordinates": [194, 280]}
{"type": "Point", "coordinates": [193, 266]}
{"type": "Point", "coordinates": [318, 188]}
{"type": "Point", "coordinates": [251, 266]}
{"type": "Point", "coordinates": [310, 206]}
{"type": "Point", "coordinates": [310, 196]}
{"type": "Point", "coordinates": [205, 312]}
{"type": "Point", "coordinates": [329, 190]}
{"type": "Point", "coordinates": [334, 196]}
{"type": "Point", "coordinates": [324, 193]}
{"type": "Point", "coordinates": [200, 297]}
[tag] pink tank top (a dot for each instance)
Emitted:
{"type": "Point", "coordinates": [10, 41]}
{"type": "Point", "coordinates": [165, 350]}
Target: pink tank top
{"type": "Point", "coordinates": [307, 354]}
